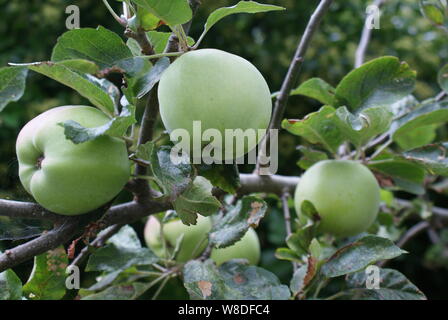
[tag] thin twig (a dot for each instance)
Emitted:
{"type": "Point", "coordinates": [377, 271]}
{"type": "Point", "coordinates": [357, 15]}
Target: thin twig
{"type": "Point", "coordinates": [381, 148]}
{"type": "Point", "coordinates": [365, 38]}
{"type": "Point", "coordinates": [292, 75]}
{"type": "Point", "coordinates": [409, 235]}
{"type": "Point", "coordinates": [112, 12]}
{"type": "Point", "coordinates": [287, 216]}
{"type": "Point", "coordinates": [99, 241]}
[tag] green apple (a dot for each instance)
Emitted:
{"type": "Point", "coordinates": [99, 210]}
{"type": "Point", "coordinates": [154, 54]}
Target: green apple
{"type": "Point", "coordinates": [247, 248]}
{"type": "Point", "coordinates": [222, 91]}
{"type": "Point", "coordinates": [68, 178]}
{"type": "Point", "coordinates": [194, 237]}
{"type": "Point", "coordinates": [345, 194]}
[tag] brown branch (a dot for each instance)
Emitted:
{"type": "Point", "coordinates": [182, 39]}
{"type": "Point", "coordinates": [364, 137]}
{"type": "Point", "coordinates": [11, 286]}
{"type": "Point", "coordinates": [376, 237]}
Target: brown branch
{"type": "Point", "coordinates": [365, 38]}
{"type": "Point", "coordinates": [45, 242]}
{"type": "Point", "coordinates": [26, 210]}
{"type": "Point", "coordinates": [293, 73]}
{"type": "Point", "coordinates": [142, 40]}
{"type": "Point", "coordinates": [99, 241]}
{"type": "Point", "coordinates": [287, 216]}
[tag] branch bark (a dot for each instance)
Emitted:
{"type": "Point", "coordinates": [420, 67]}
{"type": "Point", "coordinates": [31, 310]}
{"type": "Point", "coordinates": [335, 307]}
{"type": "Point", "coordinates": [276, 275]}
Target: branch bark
{"type": "Point", "coordinates": [293, 73]}
{"type": "Point", "coordinates": [365, 38]}
{"type": "Point", "coordinates": [27, 210]}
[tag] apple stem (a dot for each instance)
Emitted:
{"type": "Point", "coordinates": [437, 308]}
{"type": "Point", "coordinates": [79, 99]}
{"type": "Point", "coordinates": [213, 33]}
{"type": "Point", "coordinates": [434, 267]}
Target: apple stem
{"type": "Point", "coordinates": [39, 162]}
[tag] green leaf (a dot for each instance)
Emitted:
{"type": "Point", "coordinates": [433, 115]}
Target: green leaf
{"type": "Point", "coordinates": [172, 12]}
{"type": "Point", "coordinates": [196, 199]}
{"type": "Point", "coordinates": [117, 127]}
{"type": "Point", "coordinates": [417, 128]}
{"type": "Point", "coordinates": [303, 275]}
{"type": "Point", "coordinates": [318, 128]}
{"type": "Point", "coordinates": [310, 157]}
{"type": "Point", "coordinates": [120, 292]}
{"type": "Point", "coordinates": [442, 78]}
{"type": "Point", "coordinates": [379, 82]}
{"type": "Point", "coordinates": [47, 280]}
{"type": "Point", "coordinates": [10, 286]}
{"type": "Point", "coordinates": [145, 83]}
{"type": "Point", "coordinates": [360, 128]}
{"type": "Point", "coordinates": [100, 45]}
{"type": "Point", "coordinates": [432, 157]}
{"type": "Point", "coordinates": [159, 40]}
{"type": "Point", "coordinates": [224, 176]}
{"type": "Point", "coordinates": [286, 254]}
{"type": "Point", "coordinates": [231, 281]}
{"type": "Point", "coordinates": [81, 66]}
{"type": "Point", "coordinates": [12, 84]}
{"type": "Point", "coordinates": [144, 19]}
{"type": "Point", "coordinates": [122, 251]}
{"type": "Point", "coordinates": [317, 89]}
{"type": "Point", "coordinates": [406, 174]}
{"type": "Point", "coordinates": [359, 254]}
{"type": "Point", "coordinates": [393, 286]}
{"type": "Point", "coordinates": [88, 89]}
{"type": "Point", "coordinates": [240, 7]}
{"type": "Point", "coordinates": [315, 249]}
{"type": "Point", "coordinates": [432, 11]}
{"type": "Point", "coordinates": [172, 178]}
{"type": "Point", "coordinates": [231, 226]}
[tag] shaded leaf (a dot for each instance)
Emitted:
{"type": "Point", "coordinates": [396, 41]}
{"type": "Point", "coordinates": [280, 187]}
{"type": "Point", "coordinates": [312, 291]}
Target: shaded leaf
{"type": "Point", "coordinates": [120, 292]}
{"type": "Point", "coordinates": [224, 176]}
{"type": "Point", "coordinates": [100, 45]}
{"type": "Point", "coordinates": [317, 89]}
{"type": "Point", "coordinates": [196, 199]}
{"type": "Point", "coordinates": [310, 157]}
{"type": "Point", "coordinates": [47, 280]}
{"type": "Point", "coordinates": [240, 7]}
{"type": "Point", "coordinates": [12, 84]}
{"type": "Point", "coordinates": [231, 281]}
{"type": "Point", "coordinates": [117, 127]}
{"type": "Point", "coordinates": [318, 128]}
{"type": "Point", "coordinates": [10, 286]}
{"type": "Point", "coordinates": [432, 157]}
{"type": "Point", "coordinates": [359, 254]}
{"type": "Point", "coordinates": [231, 226]}
{"type": "Point", "coordinates": [393, 286]}
{"type": "Point", "coordinates": [171, 12]}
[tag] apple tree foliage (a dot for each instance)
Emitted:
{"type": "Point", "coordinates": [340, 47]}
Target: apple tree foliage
{"type": "Point", "coordinates": [372, 103]}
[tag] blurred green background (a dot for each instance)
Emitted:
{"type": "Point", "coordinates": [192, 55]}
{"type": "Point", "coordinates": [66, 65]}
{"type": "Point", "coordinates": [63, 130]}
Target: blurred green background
{"type": "Point", "coordinates": [30, 28]}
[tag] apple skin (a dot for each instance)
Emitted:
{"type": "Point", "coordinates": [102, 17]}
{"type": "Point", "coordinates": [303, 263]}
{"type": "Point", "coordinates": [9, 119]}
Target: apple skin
{"type": "Point", "coordinates": [222, 90]}
{"type": "Point", "coordinates": [345, 194]}
{"type": "Point", "coordinates": [67, 178]}
{"type": "Point", "coordinates": [193, 243]}
{"type": "Point", "coordinates": [247, 248]}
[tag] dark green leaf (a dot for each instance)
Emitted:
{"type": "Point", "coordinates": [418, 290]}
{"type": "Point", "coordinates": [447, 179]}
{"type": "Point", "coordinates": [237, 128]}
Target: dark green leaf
{"type": "Point", "coordinates": [224, 176]}
{"type": "Point", "coordinates": [310, 157]}
{"type": "Point", "coordinates": [318, 89]}
{"type": "Point", "coordinates": [393, 286]}
{"type": "Point", "coordinates": [240, 7]}
{"type": "Point", "coordinates": [145, 83]}
{"type": "Point", "coordinates": [10, 286]}
{"type": "Point", "coordinates": [432, 157]}
{"type": "Point", "coordinates": [442, 78]}
{"type": "Point", "coordinates": [196, 199]}
{"type": "Point", "coordinates": [231, 226]}
{"type": "Point", "coordinates": [417, 128]}
{"type": "Point", "coordinates": [120, 292]}
{"type": "Point", "coordinates": [117, 127]}
{"type": "Point", "coordinates": [81, 66]}
{"type": "Point", "coordinates": [433, 11]}
{"type": "Point", "coordinates": [359, 254]}
{"type": "Point", "coordinates": [172, 12]}
{"type": "Point", "coordinates": [12, 84]}
{"type": "Point", "coordinates": [100, 45]}
{"type": "Point", "coordinates": [231, 281]}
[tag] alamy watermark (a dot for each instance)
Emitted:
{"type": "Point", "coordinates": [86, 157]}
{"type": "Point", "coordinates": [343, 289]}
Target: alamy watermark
{"type": "Point", "coordinates": [373, 277]}
{"type": "Point", "coordinates": [212, 146]}
{"type": "Point", "coordinates": [373, 17]}
{"type": "Point", "coordinates": [73, 20]}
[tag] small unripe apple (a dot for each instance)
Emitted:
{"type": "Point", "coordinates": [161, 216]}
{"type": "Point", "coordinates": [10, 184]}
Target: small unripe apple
{"type": "Point", "coordinates": [194, 239]}
{"type": "Point", "coordinates": [247, 248]}
{"type": "Point", "coordinates": [68, 178]}
{"type": "Point", "coordinates": [222, 91]}
{"type": "Point", "coordinates": [345, 194]}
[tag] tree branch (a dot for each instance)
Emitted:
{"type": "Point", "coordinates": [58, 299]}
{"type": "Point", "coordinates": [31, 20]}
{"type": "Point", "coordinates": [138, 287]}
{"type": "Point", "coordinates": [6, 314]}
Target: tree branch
{"type": "Point", "coordinates": [293, 73]}
{"type": "Point", "coordinates": [26, 210]}
{"type": "Point", "coordinates": [365, 38]}
{"type": "Point", "coordinates": [45, 242]}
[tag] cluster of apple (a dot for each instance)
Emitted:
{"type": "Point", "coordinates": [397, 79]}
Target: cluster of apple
{"type": "Point", "coordinates": [221, 90]}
